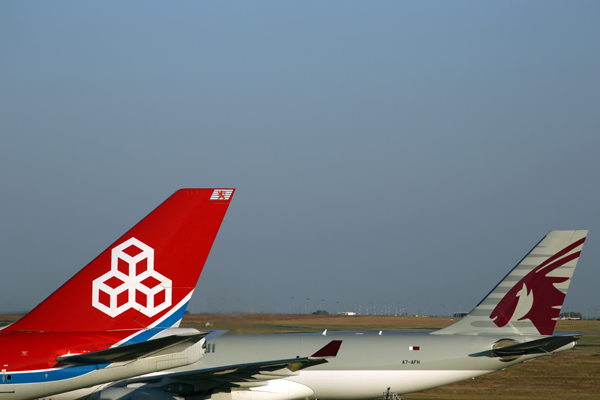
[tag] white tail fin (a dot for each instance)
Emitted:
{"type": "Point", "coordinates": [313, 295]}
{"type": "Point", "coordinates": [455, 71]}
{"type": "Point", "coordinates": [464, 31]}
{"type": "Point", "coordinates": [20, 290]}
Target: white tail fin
{"type": "Point", "coordinates": [528, 300]}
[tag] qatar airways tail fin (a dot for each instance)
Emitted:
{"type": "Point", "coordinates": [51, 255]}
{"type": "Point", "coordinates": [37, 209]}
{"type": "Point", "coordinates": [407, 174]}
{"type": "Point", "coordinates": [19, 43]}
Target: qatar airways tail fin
{"type": "Point", "coordinates": [143, 280]}
{"type": "Point", "coordinates": [528, 300]}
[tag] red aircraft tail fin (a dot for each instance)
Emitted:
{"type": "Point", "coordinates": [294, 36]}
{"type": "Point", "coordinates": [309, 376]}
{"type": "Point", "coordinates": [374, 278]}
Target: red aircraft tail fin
{"type": "Point", "coordinates": [146, 278]}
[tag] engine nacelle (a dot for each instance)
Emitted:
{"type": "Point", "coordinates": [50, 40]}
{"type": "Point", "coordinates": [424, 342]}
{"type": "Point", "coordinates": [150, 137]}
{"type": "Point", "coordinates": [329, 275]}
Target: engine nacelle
{"type": "Point", "coordinates": [276, 389]}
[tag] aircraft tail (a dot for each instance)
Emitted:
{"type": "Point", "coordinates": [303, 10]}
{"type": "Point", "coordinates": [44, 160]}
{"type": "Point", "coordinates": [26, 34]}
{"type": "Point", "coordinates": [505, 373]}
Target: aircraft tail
{"type": "Point", "coordinates": [529, 299]}
{"type": "Point", "coordinates": [146, 278]}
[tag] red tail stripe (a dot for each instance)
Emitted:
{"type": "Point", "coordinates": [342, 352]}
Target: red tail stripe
{"type": "Point", "coordinates": [561, 253]}
{"type": "Point", "coordinates": [560, 263]}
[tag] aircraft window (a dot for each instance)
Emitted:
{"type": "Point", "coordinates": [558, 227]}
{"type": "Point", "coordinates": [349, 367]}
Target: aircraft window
{"type": "Point", "coordinates": [8, 377]}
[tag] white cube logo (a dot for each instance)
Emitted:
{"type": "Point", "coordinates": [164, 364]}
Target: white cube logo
{"type": "Point", "coordinates": [131, 282]}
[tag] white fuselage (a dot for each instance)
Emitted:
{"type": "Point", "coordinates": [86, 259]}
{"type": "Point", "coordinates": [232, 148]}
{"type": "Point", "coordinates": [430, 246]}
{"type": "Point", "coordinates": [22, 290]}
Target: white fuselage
{"type": "Point", "coordinates": [365, 367]}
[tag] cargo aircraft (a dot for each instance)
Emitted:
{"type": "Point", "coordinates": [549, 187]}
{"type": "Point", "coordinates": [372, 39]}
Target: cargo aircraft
{"type": "Point", "coordinates": [119, 316]}
{"type": "Point", "coordinates": [513, 323]}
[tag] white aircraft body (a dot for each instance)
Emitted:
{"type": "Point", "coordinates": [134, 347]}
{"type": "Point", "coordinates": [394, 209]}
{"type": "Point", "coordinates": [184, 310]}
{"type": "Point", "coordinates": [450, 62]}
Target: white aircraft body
{"type": "Point", "coordinates": [512, 324]}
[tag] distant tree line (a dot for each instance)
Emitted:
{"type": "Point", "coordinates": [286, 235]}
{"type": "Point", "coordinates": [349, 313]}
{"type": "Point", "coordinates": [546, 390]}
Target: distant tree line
{"type": "Point", "coordinates": [571, 314]}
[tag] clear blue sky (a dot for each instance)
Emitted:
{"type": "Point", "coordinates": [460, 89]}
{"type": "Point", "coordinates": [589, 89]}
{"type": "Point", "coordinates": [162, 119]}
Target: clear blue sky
{"type": "Point", "coordinates": [383, 152]}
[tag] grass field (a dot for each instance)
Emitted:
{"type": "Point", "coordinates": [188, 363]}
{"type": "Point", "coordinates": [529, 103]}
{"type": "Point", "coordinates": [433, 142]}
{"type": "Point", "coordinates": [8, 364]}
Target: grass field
{"type": "Point", "coordinates": [570, 375]}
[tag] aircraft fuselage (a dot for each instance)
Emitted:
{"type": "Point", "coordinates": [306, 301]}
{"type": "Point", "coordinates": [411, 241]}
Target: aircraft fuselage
{"type": "Point", "coordinates": [366, 365]}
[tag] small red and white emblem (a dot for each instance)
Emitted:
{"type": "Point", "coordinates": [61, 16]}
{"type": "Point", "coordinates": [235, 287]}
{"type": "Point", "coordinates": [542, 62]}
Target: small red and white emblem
{"type": "Point", "coordinates": [221, 194]}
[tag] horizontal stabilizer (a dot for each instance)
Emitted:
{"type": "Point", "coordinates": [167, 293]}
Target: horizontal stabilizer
{"type": "Point", "coordinates": [545, 345]}
{"type": "Point", "coordinates": [133, 351]}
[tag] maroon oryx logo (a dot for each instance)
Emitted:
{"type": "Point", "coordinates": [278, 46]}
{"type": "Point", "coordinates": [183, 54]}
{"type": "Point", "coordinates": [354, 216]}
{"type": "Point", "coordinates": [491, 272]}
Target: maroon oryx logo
{"type": "Point", "coordinates": [535, 296]}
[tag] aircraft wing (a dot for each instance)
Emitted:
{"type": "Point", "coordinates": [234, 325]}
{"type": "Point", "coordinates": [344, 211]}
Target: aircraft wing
{"type": "Point", "coordinates": [241, 375]}
{"type": "Point", "coordinates": [134, 351]}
